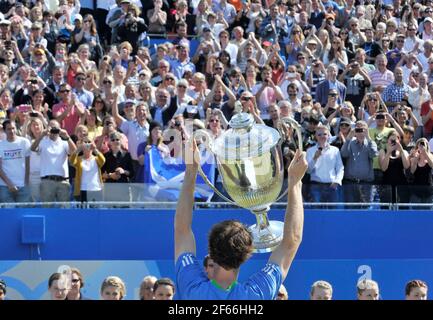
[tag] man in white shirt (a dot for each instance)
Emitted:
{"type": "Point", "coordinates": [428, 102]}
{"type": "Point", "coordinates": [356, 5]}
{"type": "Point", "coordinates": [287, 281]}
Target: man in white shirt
{"type": "Point", "coordinates": [54, 147]}
{"type": "Point", "coordinates": [14, 166]}
{"type": "Point", "coordinates": [325, 168]}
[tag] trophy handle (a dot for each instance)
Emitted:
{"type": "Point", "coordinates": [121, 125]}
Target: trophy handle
{"type": "Point", "coordinates": [298, 131]}
{"type": "Point", "coordinates": [209, 145]}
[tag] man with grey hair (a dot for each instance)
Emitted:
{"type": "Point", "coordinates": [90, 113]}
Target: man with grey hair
{"type": "Point", "coordinates": [331, 82]}
{"type": "Point", "coordinates": [359, 151]}
{"type": "Point", "coordinates": [321, 290]}
{"type": "Point", "coordinates": [285, 108]}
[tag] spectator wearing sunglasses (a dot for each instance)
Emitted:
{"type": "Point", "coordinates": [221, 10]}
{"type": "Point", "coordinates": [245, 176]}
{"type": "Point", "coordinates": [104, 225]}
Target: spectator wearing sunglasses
{"type": "Point", "coordinates": [77, 283]}
{"type": "Point", "coordinates": [117, 170]}
{"type": "Point", "coordinates": [84, 96]}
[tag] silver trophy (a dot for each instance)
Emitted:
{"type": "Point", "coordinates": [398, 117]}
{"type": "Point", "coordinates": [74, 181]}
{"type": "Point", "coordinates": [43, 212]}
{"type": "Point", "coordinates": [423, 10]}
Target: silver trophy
{"type": "Point", "coordinates": [250, 162]}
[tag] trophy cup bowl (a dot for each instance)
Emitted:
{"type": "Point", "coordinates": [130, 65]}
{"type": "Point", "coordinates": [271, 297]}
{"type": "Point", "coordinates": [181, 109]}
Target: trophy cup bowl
{"type": "Point", "coordinates": [250, 163]}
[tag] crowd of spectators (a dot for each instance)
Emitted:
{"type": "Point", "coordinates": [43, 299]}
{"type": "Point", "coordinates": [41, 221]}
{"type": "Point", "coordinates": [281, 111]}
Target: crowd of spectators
{"type": "Point", "coordinates": [87, 88]}
{"type": "Point", "coordinates": [70, 287]}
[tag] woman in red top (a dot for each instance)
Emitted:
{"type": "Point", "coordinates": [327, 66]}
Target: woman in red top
{"type": "Point", "coordinates": [277, 64]}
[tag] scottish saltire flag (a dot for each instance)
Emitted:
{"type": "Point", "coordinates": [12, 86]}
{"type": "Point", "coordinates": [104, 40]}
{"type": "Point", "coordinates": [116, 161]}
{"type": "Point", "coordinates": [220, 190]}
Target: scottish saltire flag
{"type": "Point", "coordinates": [163, 177]}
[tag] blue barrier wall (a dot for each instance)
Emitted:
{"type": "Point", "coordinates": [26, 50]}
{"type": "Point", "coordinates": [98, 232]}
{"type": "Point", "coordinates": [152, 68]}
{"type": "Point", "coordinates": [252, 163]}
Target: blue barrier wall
{"type": "Point", "coordinates": [338, 246]}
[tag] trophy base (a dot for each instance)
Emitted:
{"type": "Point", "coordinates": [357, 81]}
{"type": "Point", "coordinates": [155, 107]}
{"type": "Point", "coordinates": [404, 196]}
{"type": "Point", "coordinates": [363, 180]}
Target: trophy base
{"type": "Point", "coordinates": [268, 238]}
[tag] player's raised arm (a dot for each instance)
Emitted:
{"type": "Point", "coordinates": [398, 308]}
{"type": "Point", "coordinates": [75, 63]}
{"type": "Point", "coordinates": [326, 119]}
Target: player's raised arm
{"type": "Point", "coordinates": [184, 240]}
{"type": "Point", "coordinates": [284, 254]}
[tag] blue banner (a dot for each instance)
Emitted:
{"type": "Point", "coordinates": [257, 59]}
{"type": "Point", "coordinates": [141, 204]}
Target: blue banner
{"type": "Point", "coordinates": [163, 177]}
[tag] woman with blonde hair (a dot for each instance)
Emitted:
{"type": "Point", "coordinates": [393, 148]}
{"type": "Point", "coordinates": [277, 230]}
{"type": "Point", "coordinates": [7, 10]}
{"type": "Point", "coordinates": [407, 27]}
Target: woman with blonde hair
{"type": "Point", "coordinates": [84, 55]}
{"type": "Point", "coordinates": [113, 288]}
{"type": "Point", "coordinates": [295, 44]}
{"type": "Point", "coordinates": [87, 161]}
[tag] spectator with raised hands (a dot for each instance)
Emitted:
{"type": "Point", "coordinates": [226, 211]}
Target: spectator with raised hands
{"type": "Point", "coordinates": [157, 19]}
{"type": "Point", "coordinates": [421, 167]}
{"type": "Point", "coordinates": [88, 162]}
{"type": "Point", "coordinates": [331, 82]}
{"type": "Point", "coordinates": [54, 146]}
{"type": "Point", "coordinates": [266, 92]}
{"type": "Point", "coordinates": [393, 161]}
{"type": "Point", "coordinates": [109, 127]}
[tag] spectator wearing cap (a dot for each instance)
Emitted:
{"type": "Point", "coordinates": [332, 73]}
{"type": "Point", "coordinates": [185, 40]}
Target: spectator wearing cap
{"type": "Point", "coordinates": [84, 96]}
{"type": "Point", "coordinates": [136, 130]}
{"type": "Point", "coordinates": [344, 126]}
{"type": "Point", "coordinates": [395, 92]}
{"type": "Point", "coordinates": [325, 168]}
{"type": "Point", "coordinates": [14, 166]}
{"type": "Point", "coordinates": [358, 152]}
{"type": "Point", "coordinates": [5, 28]}
{"type": "Point", "coordinates": [425, 27]}
{"type": "Point", "coordinates": [356, 81]}
{"type": "Point", "coordinates": [395, 55]}
{"type": "Point", "coordinates": [381, 77]}
{"type": "Point", "coordinates": [41, 61]}
{"type": "Point", "coordinates": [329, 25]}
{"type": "Point", "coordinates": [182, 64]}
{"type": "Point", "coordinates": [331, 82]}
{"type": "Point", "coordinates": [157, 19]}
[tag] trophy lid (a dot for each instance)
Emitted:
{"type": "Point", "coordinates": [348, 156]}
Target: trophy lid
{"type": "Point", "coordinates": [245, 139]}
